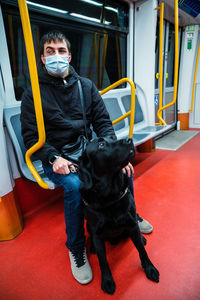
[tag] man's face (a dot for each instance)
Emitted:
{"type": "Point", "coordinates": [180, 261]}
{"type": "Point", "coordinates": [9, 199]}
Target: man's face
{"type": "Point", "coordinates": [57, 47]}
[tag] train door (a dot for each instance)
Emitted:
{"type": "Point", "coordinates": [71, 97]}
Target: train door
{"type": "Point", "coordinates": [195, 114]}
{"type": "Point", "coordinates": [169, 115]}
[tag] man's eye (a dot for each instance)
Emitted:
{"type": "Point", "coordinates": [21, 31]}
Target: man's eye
{"type": "Point", "coordinates": [101, 145]}
{"type": "Point", "coordinates": [50, 52]}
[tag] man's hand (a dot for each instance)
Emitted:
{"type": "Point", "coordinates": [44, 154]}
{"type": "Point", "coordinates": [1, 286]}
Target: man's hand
{"type": "Point", "coordinates": [63, 166]}
{"type": "Point", "coordinates": [128, 169]}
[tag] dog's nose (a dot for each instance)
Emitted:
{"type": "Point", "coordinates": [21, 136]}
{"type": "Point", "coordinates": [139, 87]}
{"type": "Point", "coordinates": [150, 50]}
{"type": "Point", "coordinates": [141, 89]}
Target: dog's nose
{"type": "Point", "coordinates": [128, 141]}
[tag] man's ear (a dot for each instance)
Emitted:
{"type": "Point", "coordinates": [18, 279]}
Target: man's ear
{"type": "Point", "coordinates": [70, 57]}
{"type": "Point", "coordinates": [42, 59]}
{"type": "Point", "coordinates": [85, 171]}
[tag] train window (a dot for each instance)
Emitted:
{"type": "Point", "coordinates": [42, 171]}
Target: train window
{"type": "Point", "coordinates": [169, 54]}
{"type": "Point", "coordinates": [98, 11]}
{"type": "Point", "coordinates": [171, 50]}
{"type": "Point", "coordinates": [98, 52]}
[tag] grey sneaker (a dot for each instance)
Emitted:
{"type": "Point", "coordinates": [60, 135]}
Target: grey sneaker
{"type": "Point", "coordinates": [145, 226]}
{"type": "Point", "coordinates": [80, 266]}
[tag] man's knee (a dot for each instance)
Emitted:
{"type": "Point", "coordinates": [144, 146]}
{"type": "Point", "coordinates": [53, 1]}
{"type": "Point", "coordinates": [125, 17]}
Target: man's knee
{"type": "Point", "coordinates": [71, 183]}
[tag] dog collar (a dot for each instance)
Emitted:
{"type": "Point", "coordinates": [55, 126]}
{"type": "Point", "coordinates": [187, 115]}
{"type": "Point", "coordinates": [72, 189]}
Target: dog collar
{"type": "Point", "coordinates": [86, 204]}
{"type": "Point", "coordinates": [123, 194]}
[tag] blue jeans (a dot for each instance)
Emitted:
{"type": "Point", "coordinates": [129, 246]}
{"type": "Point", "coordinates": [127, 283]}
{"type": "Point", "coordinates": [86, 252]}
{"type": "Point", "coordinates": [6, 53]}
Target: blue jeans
{"type": "Point", "coordinates": [73, 205]}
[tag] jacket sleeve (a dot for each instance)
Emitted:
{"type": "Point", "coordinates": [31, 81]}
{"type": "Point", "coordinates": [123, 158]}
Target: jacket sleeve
{"type": "Point", "coordinates": [29, 129]}
{"type": "Point", "coordinates": [101, 122]}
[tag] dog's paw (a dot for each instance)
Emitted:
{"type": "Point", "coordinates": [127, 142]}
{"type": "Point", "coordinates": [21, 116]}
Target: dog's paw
{"type": "Point", "coordinates": [108, 285]}
{"type": "Point", "coordinates": [144, 241]}
{"type": "Point", "coordinates": [152, 273]}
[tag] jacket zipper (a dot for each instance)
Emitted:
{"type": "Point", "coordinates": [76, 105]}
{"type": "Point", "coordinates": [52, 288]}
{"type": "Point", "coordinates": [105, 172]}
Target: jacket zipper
{"type": "Point", "coordinates": [65, 82]}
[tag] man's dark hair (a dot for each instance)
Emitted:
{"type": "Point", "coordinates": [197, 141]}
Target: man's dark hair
{"type": "Point", "coordinates": [53, 36]}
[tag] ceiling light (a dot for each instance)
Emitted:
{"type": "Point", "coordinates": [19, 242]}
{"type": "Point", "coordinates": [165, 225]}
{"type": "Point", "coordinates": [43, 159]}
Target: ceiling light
{"type": "Point", "coordinates": [112, 9]}
{"type": "Point", "coordinates": [47, 7]}
{"type": "Point", "coordinates": [92, 2]}
{"type": "Point", "coordinates": [88, 18]}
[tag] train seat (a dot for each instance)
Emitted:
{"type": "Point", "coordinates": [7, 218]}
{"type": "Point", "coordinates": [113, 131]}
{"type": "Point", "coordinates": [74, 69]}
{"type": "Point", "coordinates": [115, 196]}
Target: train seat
{"type": "Point", "coordinates": [118, 103]}
{"type": "Point", "coordinates": [13, 124]}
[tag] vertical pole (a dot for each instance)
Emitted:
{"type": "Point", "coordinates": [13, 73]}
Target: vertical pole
{"type": "Point", "coordinates": [194, 80]}
{"type": "Point", "coordinates": [35, 88]}
{"type": "Point", "coordinates": [161, 57]}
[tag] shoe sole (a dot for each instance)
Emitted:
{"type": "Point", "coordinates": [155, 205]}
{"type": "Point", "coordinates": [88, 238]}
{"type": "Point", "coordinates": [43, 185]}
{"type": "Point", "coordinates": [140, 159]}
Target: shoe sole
{"type": "Point", "coordinates": [85, 281]}
{"type": "Point", "coordinates": [147, 231]}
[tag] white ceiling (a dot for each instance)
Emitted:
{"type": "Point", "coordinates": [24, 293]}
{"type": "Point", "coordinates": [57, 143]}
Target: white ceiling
{"type": "Point", "coordinates": [184, 18]}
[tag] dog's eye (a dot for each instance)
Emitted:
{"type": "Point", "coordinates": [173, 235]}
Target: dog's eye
{"type": "Point", "coordinates": [101, 145]}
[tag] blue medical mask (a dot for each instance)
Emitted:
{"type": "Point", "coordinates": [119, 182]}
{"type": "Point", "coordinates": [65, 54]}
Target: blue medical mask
{"type": "Point", "coordinates": [57, 64]}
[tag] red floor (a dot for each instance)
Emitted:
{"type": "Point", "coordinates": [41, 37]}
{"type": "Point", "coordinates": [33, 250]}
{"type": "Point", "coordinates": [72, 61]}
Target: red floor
{"type": "Point", "coordinates": [36, 265]}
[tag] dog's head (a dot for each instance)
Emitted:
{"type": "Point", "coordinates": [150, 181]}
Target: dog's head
{"type": "Point", "coordinates": [105, 156]}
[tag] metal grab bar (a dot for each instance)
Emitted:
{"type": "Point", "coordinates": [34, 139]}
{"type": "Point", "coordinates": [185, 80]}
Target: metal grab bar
{"type": "Point", "coordinates": [161, 8]}
{"type": "Point", "coordinates": [131, 112]}
{"type": "Point", "coordinates": [35, 89]}
{"type": "Point", "coordinates": [175, 65]}
{"type": "Point", "coordinates": [194, 80]}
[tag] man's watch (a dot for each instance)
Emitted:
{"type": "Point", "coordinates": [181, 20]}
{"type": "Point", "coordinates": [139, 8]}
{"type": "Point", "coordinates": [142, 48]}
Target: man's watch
{"type": "Point", "coordinates": [53, 159]}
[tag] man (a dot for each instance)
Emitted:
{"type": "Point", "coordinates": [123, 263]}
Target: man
{"type": "Point", "coordinates": [64, 124]}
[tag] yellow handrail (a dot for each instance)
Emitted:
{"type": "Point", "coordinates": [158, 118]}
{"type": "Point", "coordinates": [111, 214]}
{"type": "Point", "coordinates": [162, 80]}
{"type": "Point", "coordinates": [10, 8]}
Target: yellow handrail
{"type": "Point", "coordinates": [161, 7]}
{"type": "Point", "coordinates": [35, 89]}
{"type": "Point", "coordinates": [97, 56]}
{"type": "Point", "coordinates": [175, 65]}
{"type": "Point", "coordinates": [194, 80]}
{"type": "Point", "coordinates": [119, 69]}
{"type": "Point", "coordinates": [131, 112]}
{"type": "Point", "coordinates": [105, 45]}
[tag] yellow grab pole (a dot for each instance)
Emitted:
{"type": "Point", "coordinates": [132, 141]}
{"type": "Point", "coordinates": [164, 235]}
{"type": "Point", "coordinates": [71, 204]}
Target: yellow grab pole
{"type": "Point", "coordinates": [35, 89]}
{"type": "Point", "coordinates": [105, 44]}
{"type": "Point", "coordinates": [132, 111]}
{"type": "Point", "coordinates": [161, 56]}
{"type": "Point", "coordinates": [97, 56]}
{"type": "Point", "coordinates": [118, 56]}
{"type": "Point", "coordinates": [161, 7]}
{"type": "Point", "coordinates": [175, 65]}
{"type": "Point", "coordinates": [91, 58]}
{"type": "Point", "coordinates": [194, 80]}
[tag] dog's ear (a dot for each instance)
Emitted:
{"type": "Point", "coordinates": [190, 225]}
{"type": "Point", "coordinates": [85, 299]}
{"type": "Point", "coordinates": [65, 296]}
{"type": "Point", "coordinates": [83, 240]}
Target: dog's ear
{"type": "Point", "coordinates": [85, 171]}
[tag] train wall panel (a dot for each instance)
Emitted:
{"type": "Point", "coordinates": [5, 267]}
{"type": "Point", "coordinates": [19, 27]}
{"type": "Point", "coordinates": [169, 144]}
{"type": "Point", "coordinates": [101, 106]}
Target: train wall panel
{"type": "Point", "coordinates": [197, 105]}
{"type": "Point", "coordinates": [8, 88]}
{"type": "Point", "coordinates": [194, 121]}
{"type": "Point", "coordinates": [6, 183]}
{"type": "Point", "coordinates": [186, 71]}
{"type": "Point", "coordinates": [144, 64]}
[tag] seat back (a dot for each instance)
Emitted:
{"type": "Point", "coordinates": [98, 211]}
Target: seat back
{"type": "Point", "coordinates": [115, 111]}
{"type": "Point", "coordinates": [13, 124]}
{"type": "Point", "coordinates": [126, 100]}
{"type": "Point", "coordinates": [118, 102]}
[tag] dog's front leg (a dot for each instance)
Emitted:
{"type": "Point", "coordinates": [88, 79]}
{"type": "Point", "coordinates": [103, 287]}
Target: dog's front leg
{"type": "Point", "coordinates": [151, 272]}
{"type": "Point", "coordinates": [107, 282]}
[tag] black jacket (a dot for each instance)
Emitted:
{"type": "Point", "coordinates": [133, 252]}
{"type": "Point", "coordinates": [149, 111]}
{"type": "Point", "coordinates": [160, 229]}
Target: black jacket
{"type": "Point", "coordinates": [63, 113]}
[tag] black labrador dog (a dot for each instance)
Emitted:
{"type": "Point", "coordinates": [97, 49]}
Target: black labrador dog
{"type": "Point", "coordinates": [109, 205]}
